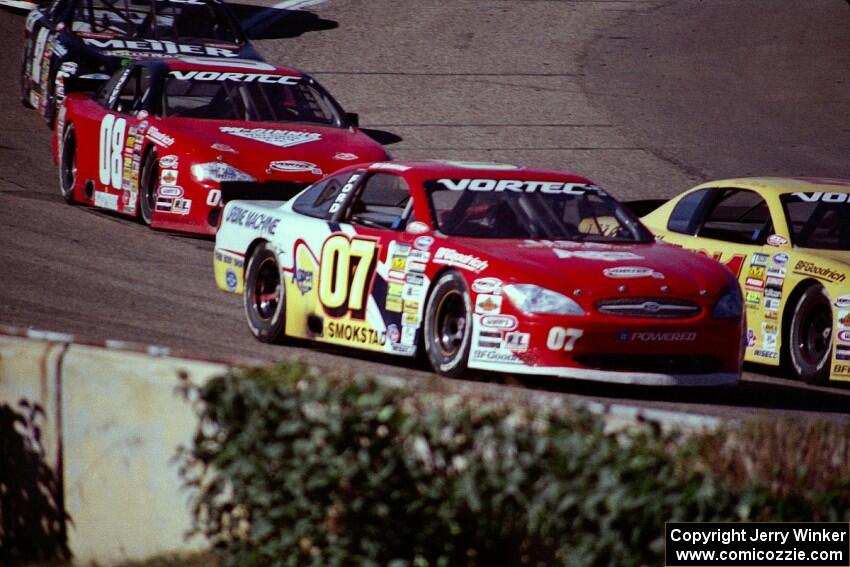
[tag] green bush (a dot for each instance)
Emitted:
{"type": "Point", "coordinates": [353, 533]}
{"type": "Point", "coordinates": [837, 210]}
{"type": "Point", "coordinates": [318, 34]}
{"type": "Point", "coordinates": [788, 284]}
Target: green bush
{"type": "Point", "coordinates": [292, 467]}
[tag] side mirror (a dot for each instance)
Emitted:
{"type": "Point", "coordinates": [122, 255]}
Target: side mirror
{"type": "Point", "coordinates": [353, 119]}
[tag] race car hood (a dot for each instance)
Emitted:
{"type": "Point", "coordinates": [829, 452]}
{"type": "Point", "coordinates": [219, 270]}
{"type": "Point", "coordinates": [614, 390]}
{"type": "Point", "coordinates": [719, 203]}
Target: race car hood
{"type": "Point", "coordinates": [603, 270]}
{"type": "Point", "coordinates": [275, 151]}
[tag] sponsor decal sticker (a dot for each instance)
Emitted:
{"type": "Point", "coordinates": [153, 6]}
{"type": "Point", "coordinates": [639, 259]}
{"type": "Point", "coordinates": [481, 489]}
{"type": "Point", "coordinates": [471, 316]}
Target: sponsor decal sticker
{"type": "Point", "coordinates": [105, 200]}
{"type": "Point", "coordinates": [236, 77]}
{"type": "Point", "coordinates": [771, 304]}
{"type": "Point", "coordinates": [423, 243]}
{"type": "Point", "coordinates": [806, 268]}
{"type": "Point", "coordinates": [394, 303]}
{"type": "Point", "coordinates": [844, 318]}
{"type": "Point", "coordinates": [223, 148]}
{"type": "Point", "coordinates": [393, 334]}
{"type": "Point", "coordinates": [777, 271]}
{"type": "Point", "coordinates": [504, 322]}
{"type": "Point", "coordinates": [273, 136]}
{"type": "Point", "coordinates": [487, 285]}
{"type": "Point", "coordinates": [252, 220]}
{"type": "Point", "coordinates": [230, 280]}
{"type": "Point", "coordinates": [755, 283]}
{"type": "Point", "coordinates": [173, 192]}
{"type": "Point", "coordinates": [304, 280]}
{"type": "Point", "coordinates": [344, 156]}
{"type": "Point", "coordinates": [842, 353]}
{"type": "Point", "coordinates": [752, 338]}
{"type": "Point", "coordinates": [292, 165]}
{"type": "Point", "coordinates": [661, 336]}
{"type": "Point", "coordinates": [759, 259]}
{"type": "Point", "coordinates": [516, 186]}
{"type": "Point", "coordinates": [451, 257]}
{"type": "Point", "coordinates": [757, 272]}
{"type": "Point", "coordinates": [159, 138]}
{"type": "Point", "coordinates": [495, 356]}
{"type": "Point", "coordinates": [841, 369]}
{"type": "Point", "coordinates": [414, 279]}
{"type": "Point", "coordinates": [408, 335]}
{"type": "Point", "coordinates": [843, 336]}
{"type": "Point", "coordinates": [416, 227]}
{"type": "Point", "coordinates": [594, 255]}
{"type": "Point", "coordinates": [773, 293]}
{"type": "Point", "coordinates": [398, 263]}
{"type": "Point", "coordinates": [843, 301]}
{"type": "Point", "coordinates": [156, 48]}
{"type": "Point", "coordinates": [488, 304]}
{"type": "Point", "coordinates": [781, 258]}
{"type": "Point", "coordinates": [777, 283]}
{"type": "Point", "coordinates": [626, 272]}
{"type": "Point", "coordinates": [168, 177]}
{"type": "Point", "coordinates": [776, 240]}
{"type": "Point", "coordinates": [517, 342]}
{"type": "Point", "coordinates": [753, 297]}
{"type": "Point", "coordinates": [772, 355]}
{"type": "Point", "coordinates": [419, 255]}
{"type": "Point", "coordinates": [169, 162]}
{"type": "Point", "coordinates": [355, 333]}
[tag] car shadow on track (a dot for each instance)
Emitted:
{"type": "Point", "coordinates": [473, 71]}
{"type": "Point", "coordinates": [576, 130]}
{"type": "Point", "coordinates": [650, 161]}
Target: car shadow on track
{"type": "Point", "coordinates": [261, 22]}
{"type": "Point", "coordinates": [747, 395]}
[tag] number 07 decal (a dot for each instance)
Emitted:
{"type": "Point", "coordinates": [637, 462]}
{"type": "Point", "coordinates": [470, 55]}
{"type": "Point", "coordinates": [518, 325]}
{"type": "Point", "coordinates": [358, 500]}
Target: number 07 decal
{"type": "Point", "coordinates": [345, 274]}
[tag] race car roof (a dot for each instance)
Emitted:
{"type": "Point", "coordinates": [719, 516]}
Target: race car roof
{"type": "Point", "coordinates": [780, 185]}
{"type": "Point", "coordinates": [231, 65]}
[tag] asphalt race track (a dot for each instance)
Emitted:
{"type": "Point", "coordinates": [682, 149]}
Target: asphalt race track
{"type": "Point", "coordinates": [645, 97]}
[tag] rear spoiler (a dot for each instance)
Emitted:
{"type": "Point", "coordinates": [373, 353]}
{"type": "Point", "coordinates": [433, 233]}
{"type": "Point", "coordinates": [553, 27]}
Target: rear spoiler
{"type": "Point", "coordinates": [643, 207]}
{"type": "Point", "coordinates": [260, 191]}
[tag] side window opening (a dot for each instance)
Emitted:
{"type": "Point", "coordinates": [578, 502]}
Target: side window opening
{"type": "Point", "coordinates": [686, 215]}
{"type": "Point", "coordinates": [316, 200]}
{"type": "Point", "coordinates": [383, 202]}
{"type": "Point", "coordinates": [740, 216]}
{"type": "Point", "coordinates": [133, 91]}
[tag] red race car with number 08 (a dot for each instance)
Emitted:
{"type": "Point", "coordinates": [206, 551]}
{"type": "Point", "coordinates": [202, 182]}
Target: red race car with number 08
{"type": "Point", "coordinates": [161, 140]}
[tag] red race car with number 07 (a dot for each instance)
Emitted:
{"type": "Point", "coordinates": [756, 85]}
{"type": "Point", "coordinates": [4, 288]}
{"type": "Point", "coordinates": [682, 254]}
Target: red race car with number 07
{"type": "Point", "coordinates": [481, 266]}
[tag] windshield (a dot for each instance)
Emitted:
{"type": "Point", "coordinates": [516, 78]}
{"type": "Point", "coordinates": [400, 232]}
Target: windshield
{"type": "Point", "coordinates": [818, 220]}
{"type": "Point", "coordinates": [248, 97]}
{"type": "Point", "coordinates": [156, 19]}
{"type": "Point", "coordinates": [500, 208]}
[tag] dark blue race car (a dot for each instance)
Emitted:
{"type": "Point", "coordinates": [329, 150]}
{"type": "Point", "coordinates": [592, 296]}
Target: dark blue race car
{"type": "Point", "coordinates": [89, 39]}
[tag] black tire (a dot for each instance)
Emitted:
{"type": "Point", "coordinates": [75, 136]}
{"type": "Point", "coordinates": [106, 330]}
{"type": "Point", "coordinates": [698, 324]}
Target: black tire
{"type": "Point", "coordinates": [448, 326]}
{"type": "Point", "coordinates": [50, 99]}
{"type": "Point", "coordinates": [25, 77]}
{"type": "Point", "coordinates": [808, 345]}
{"type": "Point", "coordinates": [264, 296]}
{"type": "Point", "coordinates": [68, 164]}
{"type": "Point", "coordinates": [148, 183]}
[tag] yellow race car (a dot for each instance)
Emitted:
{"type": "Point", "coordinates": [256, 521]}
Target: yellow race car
{"type": "Point", "coordinates": [788, 241]}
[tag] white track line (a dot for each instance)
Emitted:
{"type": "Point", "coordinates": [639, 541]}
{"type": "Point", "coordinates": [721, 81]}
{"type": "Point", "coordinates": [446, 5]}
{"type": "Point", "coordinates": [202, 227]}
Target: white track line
{"type": "Point", "coordinates": [293, 4]}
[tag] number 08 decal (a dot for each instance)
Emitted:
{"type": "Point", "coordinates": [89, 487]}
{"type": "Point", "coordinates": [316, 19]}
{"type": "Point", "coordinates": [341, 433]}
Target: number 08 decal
{"type": "Point", "coordinates": [345, 274]}
{"type": "Point", "coordinates": [111, 145]}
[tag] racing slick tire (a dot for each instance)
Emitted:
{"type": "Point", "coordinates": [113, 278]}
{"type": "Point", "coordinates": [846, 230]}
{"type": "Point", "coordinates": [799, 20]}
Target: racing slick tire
{"type": "Point", "coordinates": [25, 79]}
{"type": "Point", "coordinates": [809, 336]}
{"type": "Point", "coordinates": [148, 182]}
{"type": "Point", "coordinates": [264, 296]}
{"type": "Point", "coordinates": [448, 325]}
{"type": "Point", "coordinates": [68, 164]}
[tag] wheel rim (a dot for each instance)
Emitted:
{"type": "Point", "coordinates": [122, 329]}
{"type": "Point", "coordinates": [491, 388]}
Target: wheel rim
{"type": "Point", "coordinates": [69, 164]}
{"type": "Point", "coordinates": [267, 290]}
{"type": "Point", "coordinates": [815, 336]}
{"type": "Point", "coordinates": [450, 324]}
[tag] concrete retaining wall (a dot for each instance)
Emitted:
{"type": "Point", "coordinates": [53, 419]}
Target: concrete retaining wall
{"type": "Point", "coordinates": [112, 424]}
